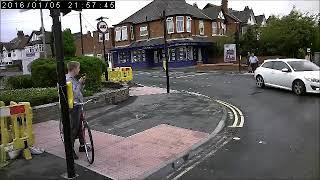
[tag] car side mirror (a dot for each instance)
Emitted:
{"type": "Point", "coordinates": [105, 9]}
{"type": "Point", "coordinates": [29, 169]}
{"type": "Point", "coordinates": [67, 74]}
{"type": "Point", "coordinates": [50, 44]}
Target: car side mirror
{"type": "Point", "coordinates": [285, 70]}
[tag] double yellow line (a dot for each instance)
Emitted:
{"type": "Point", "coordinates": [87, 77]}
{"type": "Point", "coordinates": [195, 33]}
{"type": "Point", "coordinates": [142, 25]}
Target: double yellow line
{"type": "Point", "coordinates": [236, 112]}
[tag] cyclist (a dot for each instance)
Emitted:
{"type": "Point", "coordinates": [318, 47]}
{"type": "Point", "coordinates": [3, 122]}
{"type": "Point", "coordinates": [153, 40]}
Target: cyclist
{"type": "Point", "coordinates": [76, 111]}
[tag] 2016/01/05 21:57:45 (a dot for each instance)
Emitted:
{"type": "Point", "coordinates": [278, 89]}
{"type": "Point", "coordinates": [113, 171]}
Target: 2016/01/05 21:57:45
{"type": "Point", "coordinates": [57, 4]}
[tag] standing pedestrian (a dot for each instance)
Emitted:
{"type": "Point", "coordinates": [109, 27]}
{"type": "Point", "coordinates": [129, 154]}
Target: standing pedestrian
{"type": "Point", "coordinates": [248, 62]}
{"type": "Point", "coordinates": [253, 62]}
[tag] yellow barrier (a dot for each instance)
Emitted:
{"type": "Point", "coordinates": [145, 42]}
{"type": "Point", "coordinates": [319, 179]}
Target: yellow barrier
{"type": "Point", "coordinates": [70, 95]}
{"type": "Point", "coordinates": [126, 74]}
{"type": "Point", "coordinates": [16, 129]}
{"type": "Point", "coordinates": [122, 74]}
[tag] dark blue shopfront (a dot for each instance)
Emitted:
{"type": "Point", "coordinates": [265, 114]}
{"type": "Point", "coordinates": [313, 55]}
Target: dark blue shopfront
{"type": "Point", "coordinates": [151, 54]}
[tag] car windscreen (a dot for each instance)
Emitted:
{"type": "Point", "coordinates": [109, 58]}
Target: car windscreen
{"type": "Point", "coordinates": [303, 66]}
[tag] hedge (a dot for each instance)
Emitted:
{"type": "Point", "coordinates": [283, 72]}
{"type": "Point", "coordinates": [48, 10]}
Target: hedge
{"type": "Point", "coordinates": [36, 96]}
{"type": "Point", "coordinates": [19, 82]}
{"type": "Point", "coordinates": [43, 71]}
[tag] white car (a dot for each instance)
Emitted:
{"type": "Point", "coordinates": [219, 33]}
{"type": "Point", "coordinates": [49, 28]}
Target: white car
{"type": "Point", "coordinates": [298, 75]}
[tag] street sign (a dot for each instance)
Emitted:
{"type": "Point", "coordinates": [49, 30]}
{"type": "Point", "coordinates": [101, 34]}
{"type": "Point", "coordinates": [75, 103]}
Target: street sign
{"type": "Point", "coordinates": [102, 26]}
{"type": "Point", "coordinates": [229, 52]}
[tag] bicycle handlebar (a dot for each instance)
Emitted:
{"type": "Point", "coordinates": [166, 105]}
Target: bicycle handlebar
{"type": "Point", "coordinates": [84, 102]}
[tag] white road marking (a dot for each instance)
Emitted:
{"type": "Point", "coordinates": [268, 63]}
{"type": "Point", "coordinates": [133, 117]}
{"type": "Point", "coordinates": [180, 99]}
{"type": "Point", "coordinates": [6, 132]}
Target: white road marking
{"type": "Point", "coordinates": [240, 114]}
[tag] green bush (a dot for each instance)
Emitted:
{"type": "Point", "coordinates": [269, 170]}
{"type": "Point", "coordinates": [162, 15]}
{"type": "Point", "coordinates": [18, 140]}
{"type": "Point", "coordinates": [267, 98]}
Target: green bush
{"type": "Point", "coordinates": [36, 96]}
{"type": "Point", "coordinates": [43, 73]}
{"type": "Point", "coordinates": [19, 82]}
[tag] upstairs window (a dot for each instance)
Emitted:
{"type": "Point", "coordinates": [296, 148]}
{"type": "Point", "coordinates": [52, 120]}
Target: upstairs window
{"type": "Point", "coordinates": [201, 27]}
{"type": "Point", "coordinates": [170, 26]}
{"type": "Point", "coordinates": [124, 33]}
{"type": "Point", "coordinates": [131, 33]}
{"type": "Point", "coordinates": [118, 33]}
{"type": "Point", "coordinates": [180, 24]}
{"type": "Point", "coordinates": [214, 28]}
{"type": "Point", "coordinates": [223, 29]}
{"type": "Point", "coordinates": [100, 37]}
{"type": "Point", "coordinates": [143, 31]}
{"type": "Point", "coordinates": [188, 24]}
{"type": "Point", "coordinates": [107, 36]}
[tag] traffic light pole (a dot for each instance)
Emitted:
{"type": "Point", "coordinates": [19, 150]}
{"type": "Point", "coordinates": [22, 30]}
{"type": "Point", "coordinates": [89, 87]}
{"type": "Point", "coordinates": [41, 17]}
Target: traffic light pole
{"type": "Point", "coordinates": [57, 34]}
{"type": "Point", "coordinates": [166, 50]}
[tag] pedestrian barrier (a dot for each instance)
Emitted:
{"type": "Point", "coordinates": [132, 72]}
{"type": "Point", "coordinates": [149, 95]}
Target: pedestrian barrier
{"type": "Point", "coordinates": [126, 74]}
{"type": "Point", "coordinates": [16, 129]}
{"type": "Point", "coordinates": [122, 74]}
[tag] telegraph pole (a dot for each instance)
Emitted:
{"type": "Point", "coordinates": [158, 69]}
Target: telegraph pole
{"type": "Point", "coordinates": [166, 50]}
{"type": "Point", "coordinates": [81, 37]}
{"type": "Point", "coordinates": [57, 34]}
{"type": "Point", "coordinates": [43, 35]}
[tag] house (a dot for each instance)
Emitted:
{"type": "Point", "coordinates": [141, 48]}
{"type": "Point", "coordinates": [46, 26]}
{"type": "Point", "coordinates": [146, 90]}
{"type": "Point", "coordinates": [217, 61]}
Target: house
{"type": "Point", "coordinates": [34, 49]}
{"type": "Point", "coordinates": [139, 39]}
{"type": "Point", "coordinates": [224, 23]}
{"type": "Point", "coordinates": [246, 17]}
{"type": "Point", "coordinates": [13, 52]}
{"type": "Point", "coordinates": [93, 44]}
{"type": "Point", "coordinates": [261, 20]}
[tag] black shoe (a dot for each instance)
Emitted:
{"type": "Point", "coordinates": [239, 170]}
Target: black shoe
{"type": "Point", "coordinates": [75, 156]}
{"type": "Point", "coordinates": [83, 149]}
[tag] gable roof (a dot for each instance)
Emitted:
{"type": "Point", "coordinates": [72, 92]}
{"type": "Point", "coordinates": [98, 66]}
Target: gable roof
{"type": "Point", "coordinates": [47, 35]}
{"type": "Point", "coordinates": [259, 19]}
{"type": "Point", "coordinates": [154, 10]}
{"type": "Point", "coordinates": [19, 42]}
{"type": "Point", "coordinates": [242, 15]}
{"type": "Point", "coordinates": [213, 11]}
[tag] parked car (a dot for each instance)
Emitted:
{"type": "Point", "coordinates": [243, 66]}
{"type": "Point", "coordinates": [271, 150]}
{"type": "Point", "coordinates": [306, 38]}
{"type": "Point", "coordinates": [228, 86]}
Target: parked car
{"type": "Point", "coordinates": [299, 75]}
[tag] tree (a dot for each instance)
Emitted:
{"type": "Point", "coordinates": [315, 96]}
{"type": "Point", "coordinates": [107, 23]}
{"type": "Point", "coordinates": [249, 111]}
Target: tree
{"type": "Point", "coordinates": [249, 42]}
{"type": "Point", "coordinates": [68, 43]}
{"type": "Point", "coordinates": [286, 35]}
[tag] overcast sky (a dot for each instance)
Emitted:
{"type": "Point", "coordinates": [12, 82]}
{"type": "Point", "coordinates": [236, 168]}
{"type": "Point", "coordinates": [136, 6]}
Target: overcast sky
{"type": "Point", "coordinates": [13, 20]}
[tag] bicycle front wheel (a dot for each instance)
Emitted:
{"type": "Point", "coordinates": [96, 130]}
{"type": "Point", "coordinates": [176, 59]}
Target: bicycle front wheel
{"type": "Point", "coordinates": [88, 145]}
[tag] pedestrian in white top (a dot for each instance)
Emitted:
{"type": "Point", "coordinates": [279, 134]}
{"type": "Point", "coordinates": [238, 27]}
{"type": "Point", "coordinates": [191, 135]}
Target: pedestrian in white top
{"type": "Point", "coordinates": [253, 60]}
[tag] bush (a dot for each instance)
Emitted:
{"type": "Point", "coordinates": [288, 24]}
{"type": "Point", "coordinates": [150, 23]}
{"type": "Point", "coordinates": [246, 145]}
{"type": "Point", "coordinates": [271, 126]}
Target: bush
{"type": "Point", "coordinates": [43, 73]}
{"type": "Point", "coordinates": [19, 82]}
{"type": "Point", "coordinates": [36, 96]}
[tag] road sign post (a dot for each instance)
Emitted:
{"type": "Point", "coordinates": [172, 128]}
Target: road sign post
{"type": "Point", "coordinates": [102, 27]}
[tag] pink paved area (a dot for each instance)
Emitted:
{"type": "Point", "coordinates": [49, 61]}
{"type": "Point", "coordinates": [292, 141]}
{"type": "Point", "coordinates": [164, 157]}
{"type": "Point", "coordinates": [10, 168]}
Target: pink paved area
{"type": "Point", "coordinates": [139, 91]}
{"type": "Point", "coordinates": [117, 157]}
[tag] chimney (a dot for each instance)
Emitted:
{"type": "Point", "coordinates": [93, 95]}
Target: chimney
{"type": "Point", "coordinates": [224, 6]}
{"type": "Point", "coordinates": [20, 34]}
{"type": "Point", "coordinates": [246, 8]}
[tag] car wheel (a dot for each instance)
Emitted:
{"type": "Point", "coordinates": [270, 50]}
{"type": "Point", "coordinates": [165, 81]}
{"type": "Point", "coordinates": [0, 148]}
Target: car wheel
{"type": "Point", "coordinates": [260, 81]}
{"type": "Point", "coordinates": [298, 87]}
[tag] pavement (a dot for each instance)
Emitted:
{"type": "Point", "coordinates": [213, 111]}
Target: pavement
{"type": "Point", "coordinates": [279, 139]}
{"type": "Point", "coordinates": [133, 140]}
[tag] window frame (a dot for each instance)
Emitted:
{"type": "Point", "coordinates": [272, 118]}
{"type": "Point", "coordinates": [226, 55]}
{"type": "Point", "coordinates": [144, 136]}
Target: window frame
{"type": "Point", "coordinates": [146, 30]}
{"type": "Point", "coordinates": [201, 26]}
{"type": "Point", "coordinates": [179, 21]}
{"type": "Point", "coordinates": [124, 29]}
{"type": "Point", "coordinates": [131, 33]}
{"type": "Point", "coordinates": [170, 22]}
{"type": "Point", "coordinates": [118, 34]}
{"type": "Point", "coordinates": [188, 24]}
{"type": "Point", "coordinates": [216, 28]}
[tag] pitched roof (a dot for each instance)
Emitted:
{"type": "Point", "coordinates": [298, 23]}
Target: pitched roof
{"type": "Point", "coordinates": [242, 15]}
{"type": "Point", "coordinates": [19, 42]}
{"type": "Point", "coordinates": [154, 10]}
{"type": "Point", "coordinates": [213, 11]}
{"type": "Point", "coordinates": [47, 35]}
{"type": "Point", "coordinates": [260, 19]}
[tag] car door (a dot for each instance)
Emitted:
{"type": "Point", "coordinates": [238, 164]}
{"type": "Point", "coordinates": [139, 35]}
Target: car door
{"type": "Point", "coordinates": [266, 71]}
{"type": "Point", "coordinates": [280, 78]}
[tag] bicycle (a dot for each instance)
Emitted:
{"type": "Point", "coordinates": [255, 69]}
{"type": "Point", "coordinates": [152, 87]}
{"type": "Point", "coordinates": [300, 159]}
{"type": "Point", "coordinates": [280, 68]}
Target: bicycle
{"type": "Point", "coordinates": [86, 133]}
